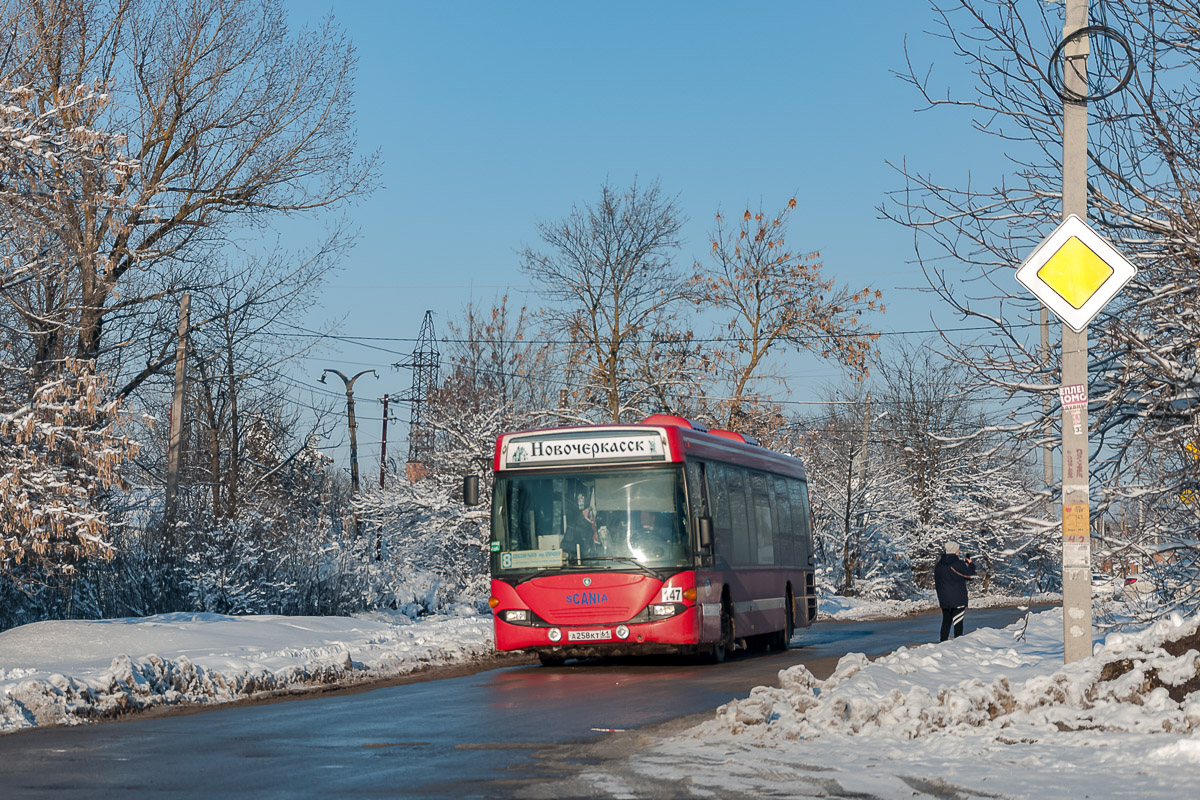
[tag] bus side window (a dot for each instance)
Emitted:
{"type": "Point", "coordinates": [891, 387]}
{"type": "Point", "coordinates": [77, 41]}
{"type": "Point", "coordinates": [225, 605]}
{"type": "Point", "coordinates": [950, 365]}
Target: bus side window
{"type": "Point", "coordinates": [722, 527]}
{"type": "Point", "coordinates": [696, 491]}
{"type": "Point", "coordinates": [802, 516]}
{"type": "Point", "coordinates": [785, 534]}
{"type": "Point", "coordinates": [764, 523]}
{"type": "Point", "coordinates": [745, 545]}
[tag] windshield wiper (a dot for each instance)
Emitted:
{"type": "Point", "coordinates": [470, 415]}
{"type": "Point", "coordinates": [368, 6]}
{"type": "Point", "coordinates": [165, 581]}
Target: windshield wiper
{"type": "Point", "coordinates": [630, 559]}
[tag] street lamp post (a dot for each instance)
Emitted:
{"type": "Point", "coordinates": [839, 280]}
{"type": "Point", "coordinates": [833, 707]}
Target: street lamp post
{"type": "Point", "coordinates": [350, 419]}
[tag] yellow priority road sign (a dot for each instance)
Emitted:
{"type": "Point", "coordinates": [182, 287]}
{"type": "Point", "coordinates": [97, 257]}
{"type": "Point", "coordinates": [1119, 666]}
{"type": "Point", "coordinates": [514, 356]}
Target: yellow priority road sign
{"type": "Point", "coordinates": [1075, 272]}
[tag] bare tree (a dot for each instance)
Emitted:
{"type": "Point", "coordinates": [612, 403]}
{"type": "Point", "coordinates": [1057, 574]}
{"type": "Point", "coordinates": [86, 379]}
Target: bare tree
{"type": "Point", "coordinates": [236, 366]}
{"type": "Point", "coordinates": [1143, 180]}
{"type": "Point", "coordinates": [499, 380]}
{"type": "Point", "coordinates": [777, 298]}
{"type": "Point", "coordinates": [496, 362]}
{"type": "Point", "coordinates": [612, 285]}
{"type": "Point", "coordinates": [927, 411]}
{"type": "Point", "coordinates": [232, 120]}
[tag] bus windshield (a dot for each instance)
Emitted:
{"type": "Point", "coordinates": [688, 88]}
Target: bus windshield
{"type": "Point", "coordinates": [601, 520]}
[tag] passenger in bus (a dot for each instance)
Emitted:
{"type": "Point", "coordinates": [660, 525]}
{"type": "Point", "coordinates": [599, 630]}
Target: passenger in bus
{"type": "Point", "coordinates": [611, 530]}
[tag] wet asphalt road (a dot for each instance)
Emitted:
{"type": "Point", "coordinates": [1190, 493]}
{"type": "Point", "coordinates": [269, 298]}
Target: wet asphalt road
{"type": "Point", "coordinates": [460, 737]}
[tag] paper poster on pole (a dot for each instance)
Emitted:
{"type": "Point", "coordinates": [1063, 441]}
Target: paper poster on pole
{"type": "Point", "coordinates": [1076, 535]}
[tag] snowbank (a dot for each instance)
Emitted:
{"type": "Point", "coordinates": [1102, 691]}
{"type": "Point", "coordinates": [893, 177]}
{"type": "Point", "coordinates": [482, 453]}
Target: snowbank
{"type": "Point", "coordinates": [1137, 684]}
{"type": "Point", "coordinates": [993, 713]}
{"type": "Point", "coordinates": [74, 671]}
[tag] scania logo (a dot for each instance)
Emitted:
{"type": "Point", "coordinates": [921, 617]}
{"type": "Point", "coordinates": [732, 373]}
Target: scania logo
{"type": "Point", "coordinates": [586, 598]}
{"type": "Point", "coordinates": [587, 581]}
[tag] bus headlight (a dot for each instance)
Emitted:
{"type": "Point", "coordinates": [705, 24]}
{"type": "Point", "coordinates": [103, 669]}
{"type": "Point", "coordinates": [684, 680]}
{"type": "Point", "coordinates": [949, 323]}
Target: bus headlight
{"type": "Point", "coordinates": [663, 610]}
{"type": "Point", "coordinates": [555, 635]}
{"type": "Point", "coordinates": [515, 615]}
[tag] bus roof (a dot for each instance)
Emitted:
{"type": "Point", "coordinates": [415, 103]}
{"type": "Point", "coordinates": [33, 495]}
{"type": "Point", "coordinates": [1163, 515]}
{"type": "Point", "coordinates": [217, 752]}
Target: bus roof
{"type": "Point", "coordinates": [658, 439]}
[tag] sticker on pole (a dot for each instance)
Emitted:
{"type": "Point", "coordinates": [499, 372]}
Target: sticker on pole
{"type": "Point", "coordinates": [1074, 396]}
{"type": "Point", "coordinates": [1074, 399]}
{"type": "Point", "coordinates": [1075, 272]}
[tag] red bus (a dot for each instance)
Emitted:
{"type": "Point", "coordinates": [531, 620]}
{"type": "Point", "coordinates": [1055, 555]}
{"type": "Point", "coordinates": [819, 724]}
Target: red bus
{"type": "Point", "coordinates": [660, 537]}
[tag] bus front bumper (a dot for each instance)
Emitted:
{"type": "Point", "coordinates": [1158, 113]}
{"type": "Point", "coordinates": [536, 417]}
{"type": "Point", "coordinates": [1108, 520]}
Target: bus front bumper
{"type": "Point", "coordinates": [677, 634]}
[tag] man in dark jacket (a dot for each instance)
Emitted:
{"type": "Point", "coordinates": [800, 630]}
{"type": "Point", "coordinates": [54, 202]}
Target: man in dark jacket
{"type": "Point", "coordinates": [950, 577]}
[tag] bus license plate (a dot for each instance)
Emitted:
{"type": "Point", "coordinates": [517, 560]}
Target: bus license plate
{"type": "Point", "coordinates": [588, 636]}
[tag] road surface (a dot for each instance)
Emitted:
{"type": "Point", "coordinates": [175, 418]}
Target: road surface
{"type": "Point", "coordinates": [491, 734]}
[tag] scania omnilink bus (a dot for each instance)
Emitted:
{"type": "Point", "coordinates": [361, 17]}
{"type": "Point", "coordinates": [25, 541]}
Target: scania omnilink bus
{"type": "Point", "coordinates": [660, 537]}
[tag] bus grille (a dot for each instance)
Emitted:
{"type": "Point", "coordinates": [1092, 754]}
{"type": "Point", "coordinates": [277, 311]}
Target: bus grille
{"type": "Point", "coordinates": [583, 616]}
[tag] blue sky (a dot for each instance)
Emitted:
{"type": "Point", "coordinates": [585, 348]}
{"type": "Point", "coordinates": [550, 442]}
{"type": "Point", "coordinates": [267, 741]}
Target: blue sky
{"type": "Point", "coordinates": [492, 116]}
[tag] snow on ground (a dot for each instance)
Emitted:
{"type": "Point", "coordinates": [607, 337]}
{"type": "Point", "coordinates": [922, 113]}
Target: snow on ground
{"type": "Point", "coordinates": [850, 609]}
{"type": "Point", "coordinates": [991, 714]}
{"type": "Point", "coordinates": [74, 671]}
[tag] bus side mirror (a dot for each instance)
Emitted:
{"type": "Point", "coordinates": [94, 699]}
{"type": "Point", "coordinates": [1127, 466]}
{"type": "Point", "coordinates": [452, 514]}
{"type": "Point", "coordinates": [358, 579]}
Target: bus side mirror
{"type": "Point", "coordinates": [470, 490]}
{"type": "Point", "coordinates": [704, 531]}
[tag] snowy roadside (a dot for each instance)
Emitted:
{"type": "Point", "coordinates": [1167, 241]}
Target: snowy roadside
{"type": "Point", "coordinates": [69, 672]}
{"type": "Point", "coordinates": [65, 672]}
{"type": "Point", "coordinates": [849, 609]}
{"type": "Point", "coordinates": [992, 714]}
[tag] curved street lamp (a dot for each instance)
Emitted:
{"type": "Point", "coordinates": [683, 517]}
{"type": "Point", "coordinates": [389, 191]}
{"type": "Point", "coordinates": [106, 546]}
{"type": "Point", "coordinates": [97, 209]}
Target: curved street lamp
{"type": "Point", "coordinates": [350, 417]}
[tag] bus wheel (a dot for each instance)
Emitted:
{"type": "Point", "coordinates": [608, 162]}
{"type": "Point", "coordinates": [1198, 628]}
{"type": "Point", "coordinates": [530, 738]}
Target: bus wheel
{"type": "Point", "coordinates": [719, 650]}
{"type": "Point", "coordinates": [550, 660]}
{"type": "Point", "coordinates": [781, 639]}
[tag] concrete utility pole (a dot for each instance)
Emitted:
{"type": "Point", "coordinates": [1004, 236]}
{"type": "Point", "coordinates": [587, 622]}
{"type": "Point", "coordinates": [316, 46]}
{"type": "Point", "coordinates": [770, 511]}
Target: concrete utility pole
{"type": "Point", "coordinates": [862, 454]}
{"type": "Point", "coordinates": [350, 419]}
{"type": "Point", "coordinates": [1047, 403]}
{"type": "Point", "coordinates": [175, 440]}
{"type": "Point", "coordinates": [1077, 585]}
{"type": "Point", "coordinates": [383, 443]}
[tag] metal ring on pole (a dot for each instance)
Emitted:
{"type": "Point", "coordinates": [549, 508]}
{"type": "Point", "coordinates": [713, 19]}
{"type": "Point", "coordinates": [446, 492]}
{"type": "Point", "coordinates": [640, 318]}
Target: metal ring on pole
{"type": "Point", "coordinates": [1100, 31]}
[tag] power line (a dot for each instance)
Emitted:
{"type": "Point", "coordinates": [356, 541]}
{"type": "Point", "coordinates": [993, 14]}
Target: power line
{"type": "Point", "coordinates": [363, 340]}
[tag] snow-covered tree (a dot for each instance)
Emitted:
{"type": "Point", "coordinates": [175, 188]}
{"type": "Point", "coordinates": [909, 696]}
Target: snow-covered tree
{"type": "Point", "coordinates": [1143, 179]}
{"type": "Point", "coordinates": [861, 507]}
{"type": "Point", "coordinates": [965, 487]}
{"type": "Point", "coordinates": [63, 439]}
{"type": "Point", "coordinates": [231, 120]}
{"type": "Point", "coordinates": [62, 444]}
{"type": "Point", "coordinates": [422, 530]}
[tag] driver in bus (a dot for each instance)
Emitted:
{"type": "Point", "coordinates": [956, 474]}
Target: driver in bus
{"type": "Point", "coordinates": [583, 537]}
{"type": "Point", "coordinates": [656, 538]}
